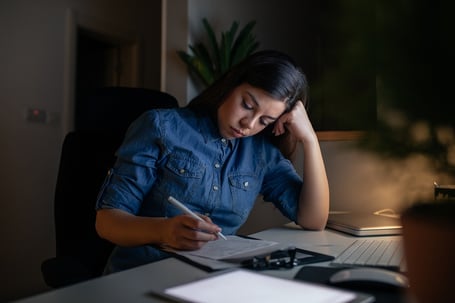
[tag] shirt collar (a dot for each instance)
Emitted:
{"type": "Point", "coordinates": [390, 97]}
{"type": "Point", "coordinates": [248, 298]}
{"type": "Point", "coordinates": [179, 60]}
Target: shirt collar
{"type": "Point", "coordinates": [209, 129]}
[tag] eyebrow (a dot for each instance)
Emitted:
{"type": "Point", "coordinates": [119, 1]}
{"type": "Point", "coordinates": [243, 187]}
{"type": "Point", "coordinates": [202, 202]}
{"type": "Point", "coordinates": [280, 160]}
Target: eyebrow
{"type": "Point", "coordinates": [257, 104]}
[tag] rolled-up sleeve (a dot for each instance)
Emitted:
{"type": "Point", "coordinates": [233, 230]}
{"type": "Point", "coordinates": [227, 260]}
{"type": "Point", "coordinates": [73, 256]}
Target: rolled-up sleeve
{"type": "Point", "coordinates": [134, 171]}
{"type": "Point", "coordinates": [282, 186]}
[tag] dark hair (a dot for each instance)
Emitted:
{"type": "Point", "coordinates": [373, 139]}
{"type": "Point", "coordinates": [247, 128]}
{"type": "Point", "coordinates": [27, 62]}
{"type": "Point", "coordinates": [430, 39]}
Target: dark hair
{"type": "Point", "coordinates": [272, 71]}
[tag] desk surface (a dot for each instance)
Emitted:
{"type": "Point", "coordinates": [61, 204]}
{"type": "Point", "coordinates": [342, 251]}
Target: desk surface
{"type": "Point", "coordinates": [134, 285]}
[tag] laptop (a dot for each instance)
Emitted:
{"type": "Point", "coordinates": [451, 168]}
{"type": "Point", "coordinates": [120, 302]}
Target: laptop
{"type": "Point", "coordinates": [364, 224]}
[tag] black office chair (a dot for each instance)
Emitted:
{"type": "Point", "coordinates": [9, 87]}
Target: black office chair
{"type": "Point", "coordinates": [87, 154]}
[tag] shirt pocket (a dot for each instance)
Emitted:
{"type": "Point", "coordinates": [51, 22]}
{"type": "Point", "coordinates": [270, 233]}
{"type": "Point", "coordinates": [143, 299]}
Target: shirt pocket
{"type": "Point", "coordinates": [244, 189]}
{"type": "Point", "coordinates": [183, 174]}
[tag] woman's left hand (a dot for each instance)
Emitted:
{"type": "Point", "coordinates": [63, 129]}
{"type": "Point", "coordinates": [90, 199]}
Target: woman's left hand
{"type": "Point", "coordinates": [297, 123]}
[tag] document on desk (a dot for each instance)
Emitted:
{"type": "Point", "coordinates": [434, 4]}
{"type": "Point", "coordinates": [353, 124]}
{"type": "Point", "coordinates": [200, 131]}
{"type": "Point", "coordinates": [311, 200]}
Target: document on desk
{"type": "Point", "coordinates": [228, 253]}
{"type": "Point", "coordinates": [247, 286]}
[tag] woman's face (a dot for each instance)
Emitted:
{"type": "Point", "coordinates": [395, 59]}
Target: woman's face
{"type": "Point", "coordinates": [247, 111]}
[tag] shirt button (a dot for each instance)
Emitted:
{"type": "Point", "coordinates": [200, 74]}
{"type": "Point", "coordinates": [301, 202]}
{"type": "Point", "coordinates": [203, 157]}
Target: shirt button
{"type": "Point", "coordinates": [223, 140]}
{"type": "Point", "coordinates": [182, 171]}
{"type": "Point", "coordinates": [245, 183]}
{"type": "Point", "coordinates": [215, 187]}
{"type": "Point", "coordinates": [217, 165]}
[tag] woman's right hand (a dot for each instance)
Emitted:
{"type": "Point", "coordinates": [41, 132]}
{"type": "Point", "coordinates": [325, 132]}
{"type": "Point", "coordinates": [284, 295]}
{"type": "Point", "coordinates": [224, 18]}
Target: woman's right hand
{"type": "Point", "coordinates": [180, 232]}
{"type": "Point", "coordinates": [187, 233]}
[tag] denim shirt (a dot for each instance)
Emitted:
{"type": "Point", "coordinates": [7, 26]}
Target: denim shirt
{"type": "Point", "coordinates": [174, 152]}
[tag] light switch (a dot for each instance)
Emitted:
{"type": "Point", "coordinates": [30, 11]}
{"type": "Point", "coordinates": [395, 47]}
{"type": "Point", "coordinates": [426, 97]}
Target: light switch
{"type": "Point", "coordinates": [36, 115]}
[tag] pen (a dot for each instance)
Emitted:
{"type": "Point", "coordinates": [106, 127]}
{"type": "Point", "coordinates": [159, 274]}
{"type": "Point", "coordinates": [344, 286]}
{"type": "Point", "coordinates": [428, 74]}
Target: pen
{"type": "Point", "coordinates": [188, 211]}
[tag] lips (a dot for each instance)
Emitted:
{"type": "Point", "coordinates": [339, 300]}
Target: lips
{"type": "Point", "coordinates": [237, 133]}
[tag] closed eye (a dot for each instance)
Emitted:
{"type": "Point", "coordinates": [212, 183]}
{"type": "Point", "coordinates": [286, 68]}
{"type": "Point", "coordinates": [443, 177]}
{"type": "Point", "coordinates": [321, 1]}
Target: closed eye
{"type": "Point", "coordinates": [246, 105]}
{"type": "Point", "coordinates": [264, 122]}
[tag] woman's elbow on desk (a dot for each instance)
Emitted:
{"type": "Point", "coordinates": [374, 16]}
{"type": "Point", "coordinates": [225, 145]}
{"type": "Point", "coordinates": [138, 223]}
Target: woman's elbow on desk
{"type": "Point", "coordinates": [315, 227]}
{"type": "Point", "coordinates": [313, 222]}
{"type": "Point", "coordinates": [313, 211]}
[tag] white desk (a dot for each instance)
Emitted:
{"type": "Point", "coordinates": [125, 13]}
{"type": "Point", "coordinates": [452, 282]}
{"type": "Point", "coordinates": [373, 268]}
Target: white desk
{"type": "Point", "coordinates": [326, 242]}
{"type": "Point", "coordinates": [134, 285]}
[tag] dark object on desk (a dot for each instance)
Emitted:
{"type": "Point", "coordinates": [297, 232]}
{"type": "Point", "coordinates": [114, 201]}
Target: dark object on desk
{"type": "Point", "coordinates": [428, 234]}
{"type": "Point", "coordinates": [444, 191]}
{"type": "Point", "coordinates": [370, 277]}
{"type": "Point", "coordinates": [285, 259]}
{"type": "Point", "coordinates": [281, 259]}
{"type": "Point", "coordinates": [364, 224]}
{"type": "Point", "coordinates": [86, 156]}
{"type": "Point", "coordinates": [381, 292]}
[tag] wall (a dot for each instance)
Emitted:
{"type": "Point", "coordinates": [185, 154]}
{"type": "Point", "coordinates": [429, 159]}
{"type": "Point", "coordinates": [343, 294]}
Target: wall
{"type": "Point", "coordinates": [175, 36]}
{"type": "Point", "coordinates": [32, 57]}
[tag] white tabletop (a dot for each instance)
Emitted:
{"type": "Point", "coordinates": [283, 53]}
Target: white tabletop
{"type": "Point", "coordinates": [135, 285]}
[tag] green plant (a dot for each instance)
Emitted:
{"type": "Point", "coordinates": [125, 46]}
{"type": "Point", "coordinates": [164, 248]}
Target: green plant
{"type": "Point", "coordinates": [208, 63]}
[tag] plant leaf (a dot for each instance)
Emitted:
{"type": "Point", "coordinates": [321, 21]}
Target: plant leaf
{"type": "Point", "coordinates": [245, 43]}
{"type": "Point", "coordinates": [244, 50]}
{"type": "Point", "coordinates": [203, 72]}
{"type": "Point", "coordinates": [201, 51]}
{"type": "Point", "coordinates": [197, 67]}
{"type": "Point", "coordinates": [213, 43]}
{"type": "Point", "coordinates": [226, 48]}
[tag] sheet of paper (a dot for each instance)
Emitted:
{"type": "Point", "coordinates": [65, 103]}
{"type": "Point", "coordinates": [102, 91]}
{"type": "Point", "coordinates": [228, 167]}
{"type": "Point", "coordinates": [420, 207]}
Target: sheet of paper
{"type": "Point", "coordinates": [245, 286]}
{"type": "Point", "coordinates": [234, 248]}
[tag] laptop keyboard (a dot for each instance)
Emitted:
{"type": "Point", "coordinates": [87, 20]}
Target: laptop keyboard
{"type": "Point", "coordinates": [384, 253]}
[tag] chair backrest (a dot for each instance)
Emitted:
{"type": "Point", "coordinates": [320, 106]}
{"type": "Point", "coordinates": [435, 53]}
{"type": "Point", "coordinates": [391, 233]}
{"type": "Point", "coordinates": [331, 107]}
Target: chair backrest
{"type": "Point", "coordinates": [114, 108]}
{"type": "Point", "coordinates": [86, 156]}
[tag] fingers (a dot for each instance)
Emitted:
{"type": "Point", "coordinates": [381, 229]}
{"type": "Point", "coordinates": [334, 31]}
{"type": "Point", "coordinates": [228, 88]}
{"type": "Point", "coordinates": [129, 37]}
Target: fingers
{"type": "Point", "coordinates": [281, 123]}
{"type": "Point", "coordinates": [205, 218]}
{"type": "Point", "coordinates": [278, 129]}
{"type": "Point", "coordinates": [206, 226]}
{"type": "Point", "coordinates": [188, 233]}
{"type": "Point", "coordinates": [296, 122]}
{"type": "Point", "coordinates": [287, 118]}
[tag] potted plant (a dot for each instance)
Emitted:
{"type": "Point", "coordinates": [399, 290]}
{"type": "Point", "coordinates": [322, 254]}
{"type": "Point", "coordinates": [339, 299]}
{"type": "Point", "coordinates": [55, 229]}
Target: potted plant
{"type": "Point", "coordinates": [207, 63]}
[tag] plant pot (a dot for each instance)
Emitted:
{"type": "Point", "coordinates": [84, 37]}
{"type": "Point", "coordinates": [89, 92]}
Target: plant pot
{"type": "Point", "coordinates": [429, 247]}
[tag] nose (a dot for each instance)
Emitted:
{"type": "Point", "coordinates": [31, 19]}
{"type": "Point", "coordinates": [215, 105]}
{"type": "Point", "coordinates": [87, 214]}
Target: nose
{"type": "Point", "coordinates": [248, 122]}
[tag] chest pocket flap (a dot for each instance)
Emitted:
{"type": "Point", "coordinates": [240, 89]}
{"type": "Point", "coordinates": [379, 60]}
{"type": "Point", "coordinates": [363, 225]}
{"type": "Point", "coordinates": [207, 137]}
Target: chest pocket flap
{"type": "Point", "coordinates": [245, 182]}
{"type": "Point", "coordinates": [185, 165]}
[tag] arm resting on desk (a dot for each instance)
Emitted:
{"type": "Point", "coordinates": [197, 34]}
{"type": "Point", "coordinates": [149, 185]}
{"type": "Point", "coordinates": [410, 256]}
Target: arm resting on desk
{"type": "Point", "coordinates": [180, 232]}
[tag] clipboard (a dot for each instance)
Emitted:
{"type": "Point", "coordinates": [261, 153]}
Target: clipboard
{"type": "Point", "coordinates": [252, 286]}
{"type": "Point", "coordinates": [204, 262]}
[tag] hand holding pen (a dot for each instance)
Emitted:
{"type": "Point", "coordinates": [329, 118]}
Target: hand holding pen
{"type": "Point", "coordinates": [187, 211]}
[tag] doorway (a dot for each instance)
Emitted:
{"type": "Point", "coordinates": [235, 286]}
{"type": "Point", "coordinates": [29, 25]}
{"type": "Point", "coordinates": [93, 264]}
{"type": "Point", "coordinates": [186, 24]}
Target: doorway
{"type": "Point", "coordinates": [101, 61]}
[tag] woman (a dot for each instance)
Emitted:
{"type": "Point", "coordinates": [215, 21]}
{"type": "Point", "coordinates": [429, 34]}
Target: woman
{"type": "Point", "coordinates": [216, 155]}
